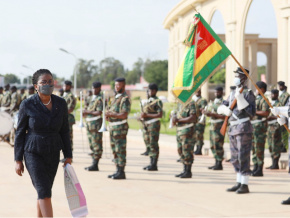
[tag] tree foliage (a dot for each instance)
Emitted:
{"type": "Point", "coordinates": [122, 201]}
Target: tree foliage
{"type": "Point", "coordinates": [11, 78]}
{"type": "Point", "coordinates": [157, 72]}
{"type": "Point", "coordinates": [219, 77]}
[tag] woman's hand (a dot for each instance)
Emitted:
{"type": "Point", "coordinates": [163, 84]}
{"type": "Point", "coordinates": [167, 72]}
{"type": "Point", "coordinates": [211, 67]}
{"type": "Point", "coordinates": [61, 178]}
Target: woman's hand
{"type": "Point", "coordinates": [67, 161]}
{"type": "Point", "coordinates": [19, 168]}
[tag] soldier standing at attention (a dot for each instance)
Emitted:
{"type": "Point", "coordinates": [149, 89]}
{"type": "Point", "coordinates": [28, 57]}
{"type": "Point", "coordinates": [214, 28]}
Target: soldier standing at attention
{"type": "Point", "coordinates": [151, 115]}
{"type": "Point", "coordinates": [71, 103]}
{"type": "Point", "coordinates": [15, 100]}
{"type": "Point", "coordinates": [200, 104]}
{"type": "Point", "coordinates": [6, 100]}
{"type": "Point", "coordinates": [185, 121]}
{"type": "Point", "coordinates": [274, 133]}
{"type": "Point", "coordinates": [240, 131]}
{"type": "Point", "coordinates": [23, 94]}
{"type": "Point", "coordinates": [31, 91]}
{"type": "Point", "coordinates": [117, 117]}
{"type": "Point", "coordinates": [93, 116]}
{"type": "Point", "coordinates": [146, 153]}
{"type": "Point", "coordinates": [1, 94]}
{"type": "Point", "coordinates": [216, 138]}
{"type": "Point", "coordinates": [283, 99]}
{"type": "Point", "coordinates": [260, 126]}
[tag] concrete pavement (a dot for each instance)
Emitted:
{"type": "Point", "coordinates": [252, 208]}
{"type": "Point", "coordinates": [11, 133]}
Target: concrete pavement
{"type": "Point", "coordinates": [147, 194]}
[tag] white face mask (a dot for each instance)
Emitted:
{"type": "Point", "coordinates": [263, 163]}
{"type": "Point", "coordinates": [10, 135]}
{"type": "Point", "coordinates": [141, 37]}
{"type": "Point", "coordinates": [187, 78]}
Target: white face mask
{"type": "Point", "coordinates": [237, 81]}
{"type": "Point", "coordinates": [195, 98]}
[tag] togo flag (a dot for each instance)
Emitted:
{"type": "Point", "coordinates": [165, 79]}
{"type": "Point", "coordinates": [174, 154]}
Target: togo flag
{"type": "Point", "coordinates": [204, 54]}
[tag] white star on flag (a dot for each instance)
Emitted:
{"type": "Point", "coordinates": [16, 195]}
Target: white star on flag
{"type": "Point", "coordinates": [198, 37]}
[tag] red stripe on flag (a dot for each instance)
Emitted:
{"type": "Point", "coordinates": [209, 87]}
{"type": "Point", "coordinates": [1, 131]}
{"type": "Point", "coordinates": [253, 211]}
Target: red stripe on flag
{"type": "Point", "coordinates": [205, 39]}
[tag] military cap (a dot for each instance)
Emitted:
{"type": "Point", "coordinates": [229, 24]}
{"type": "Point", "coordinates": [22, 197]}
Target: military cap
{"type": "Point", "coordinates": [233, 87]}
{"type": "Point", "coordinates": [97, 84]}
{"type": "Point", "coordinates": [261, 85]}
{"type": "Point", "coordinates": [219, 88]}
{"type": "Point", "coordinates": [281, 83]}
{"type": "Point", "coordinates": [153, 86]}
{"type": "Point", "coordinates": [120, 79]}
{"type": "Point", "coordinates": [68, 83]}
{"type": "Point", "coordinates": [275, 91]}
{"type": "Point", "coordinates": [240, 71]}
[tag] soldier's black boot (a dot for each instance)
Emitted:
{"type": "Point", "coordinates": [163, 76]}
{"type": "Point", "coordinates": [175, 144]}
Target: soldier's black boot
{"type": "Point", "coordinates": [198, 150]}
{"type": "Point", "coordinates": [117, 169]}
{"type": "Point", "coordinates": [187, 173]}
{"type": "Point", "coordinates": [153, 166]}
{"type": "Point", "coordinates": [94, 166]}
{"type": "Point", "coordinates": [146, 153]}
{"type": "Point", "coordinates": [275, 164]}
{"type": "Point", "coordinates": [218, 166]}
{"type": "Point", "coordinates": [120, 174]}
{"type": "Point", "coordinates": [271, 167]}
{"type": "Point", "coordinates": [286, 201]}
{"type": "Point", "coordinates": [258, 172]}
{"type": "Point", "coordinates": [146, 168]}
{"type": "Point", "coordinates": [184, 167]}
{"type": "Point", "coordinates": [213, 165]}
{"type": "Point", "coordinates": [234, 188]}
{"type": "Point", "coordinates": [255, 168]}
{"type": "Point", "coordinates": [243, 189]}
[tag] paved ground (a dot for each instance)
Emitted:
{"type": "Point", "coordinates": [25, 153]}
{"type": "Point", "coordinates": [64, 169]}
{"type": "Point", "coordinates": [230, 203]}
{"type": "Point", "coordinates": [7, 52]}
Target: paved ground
{"type": "Point", "coordinates": [148, 194]}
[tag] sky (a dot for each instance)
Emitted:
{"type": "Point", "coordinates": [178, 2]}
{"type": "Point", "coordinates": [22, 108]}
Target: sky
{"type": "Point", "coordinates": [32, 32]}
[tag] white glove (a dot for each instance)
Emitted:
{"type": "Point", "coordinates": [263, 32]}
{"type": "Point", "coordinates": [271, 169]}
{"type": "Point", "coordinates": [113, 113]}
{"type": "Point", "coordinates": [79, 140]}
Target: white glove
{"type": "Point", "coordinates": [282, 120]}
{"type": "Point", "coordinates": [241, 101]}
{"type": "Point", "coordinates": [280, 111]}
{"type": "Point", "coordinates": [224, 110]}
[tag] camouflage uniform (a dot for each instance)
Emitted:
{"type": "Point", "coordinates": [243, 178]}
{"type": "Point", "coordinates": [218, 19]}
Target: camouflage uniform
{"type": "Point", "coordinates": [93, 126]}
{"type": "Point", "coordinates": [283, 99]}
{"type": "Point", "coordinates": [201, 103]}
{"type": "Point", "coordinates": [240, 134]}
{"type": "Point", "coordinates": [15, 103]}
{"type": "Point", "coordinates": [185, 136]}
{"type": "Point", "coordinates": [71, 103]}
{"type": "Point", "coordinates": [274, 135]}
{"type": "Point", "coordinates": [216, 138]}
{"type": "Point", "coordinates": [24, 96]}
{"type": "Point", "coordinates": [152, 130]}
{"type": "Point", "coordinates": [87, 101]}
{"type": "Point", "coordinates": [260, 126]}
{"type": "Point", "coordinates": [118, 133]}
{"type": "Point", "coordinates": [6, 101]}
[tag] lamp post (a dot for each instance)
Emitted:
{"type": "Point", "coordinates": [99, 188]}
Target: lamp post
{"type": "Point", "coordinates": [75, 69]}
{"type": "Point", "coordinates": [27, 82]}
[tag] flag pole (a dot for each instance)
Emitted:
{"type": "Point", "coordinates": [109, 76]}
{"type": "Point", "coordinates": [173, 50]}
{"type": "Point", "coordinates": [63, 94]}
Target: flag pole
{"type": "Point", "coordinates": [259, 90]}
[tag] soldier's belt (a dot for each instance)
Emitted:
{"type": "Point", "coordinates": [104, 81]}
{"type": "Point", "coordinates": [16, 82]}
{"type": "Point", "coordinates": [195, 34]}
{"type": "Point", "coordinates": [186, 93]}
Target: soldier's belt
{"type": "Point", "coordinates": [117, 123]}
{"type": "Point", "coordinates": [239, 121]}
{"type": "Point", "coordinates": [152, 121]}
{"type": "Point", "coordinates": [184, 127]}
{"type": "Point", "coordinates": [272, 122]}
{"type": "Point", "coordinates": [216, 121]}
{"type": "Point", "coordinates": [258, 121]}
{"type": "Point", "coordinates": [93, 118]}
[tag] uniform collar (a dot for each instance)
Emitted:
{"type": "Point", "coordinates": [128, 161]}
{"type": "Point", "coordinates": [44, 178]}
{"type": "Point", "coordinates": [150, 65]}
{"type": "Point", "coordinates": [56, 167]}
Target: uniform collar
{"type": "Point", "coordinates": [120, 94]}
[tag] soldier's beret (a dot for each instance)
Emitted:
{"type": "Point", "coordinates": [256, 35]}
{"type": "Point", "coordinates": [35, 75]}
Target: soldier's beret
{"type": "Point", "coordinates": [68, 83]}
{"type": "Point", "coordinates": [97, 84]}
{"type": "Point", "coordinates": [31, 87]}
{"type": "Point", "coordinates": [275, 91]}
{"type": "Point", "coordinates": [281, 83]}
{"type": "Point", "coordinates": [233, 87]}
{"type": "Point", "coordinates": [120, 79]}
{"type": "Point", "coordinates": [261, 85]}
{"type": "Point", "coordinates": [153, 86]}
{"type": "Point", "coordinates": [240, 71]}
{"type": "Point", "coordinates": [219, 88]}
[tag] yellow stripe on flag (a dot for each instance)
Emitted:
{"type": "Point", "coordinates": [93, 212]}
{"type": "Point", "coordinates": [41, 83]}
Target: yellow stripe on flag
{"type": "Point", "coordinates": [178, 82]}
{"type": "Point", "coordinates": [177, 92]}
{"type": "Point", "coordinates": [205, 57]}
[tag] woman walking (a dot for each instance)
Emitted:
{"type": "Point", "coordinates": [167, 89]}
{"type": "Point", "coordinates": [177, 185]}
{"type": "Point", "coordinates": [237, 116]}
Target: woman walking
{"type": "Point", "coordinates": [42, 132]}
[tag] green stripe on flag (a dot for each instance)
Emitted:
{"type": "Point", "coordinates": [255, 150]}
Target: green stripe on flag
{"type": "Point", "coordinates": [188, 67]}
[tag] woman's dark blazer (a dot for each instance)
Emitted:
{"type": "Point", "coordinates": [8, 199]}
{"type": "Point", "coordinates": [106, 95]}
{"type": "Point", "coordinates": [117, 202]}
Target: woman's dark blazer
{"type": "Point", "coordinates": [40, 130]}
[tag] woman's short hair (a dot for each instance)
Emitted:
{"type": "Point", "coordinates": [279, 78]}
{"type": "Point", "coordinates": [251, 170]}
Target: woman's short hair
{"type": "Point", "coordinates": [39, 73]}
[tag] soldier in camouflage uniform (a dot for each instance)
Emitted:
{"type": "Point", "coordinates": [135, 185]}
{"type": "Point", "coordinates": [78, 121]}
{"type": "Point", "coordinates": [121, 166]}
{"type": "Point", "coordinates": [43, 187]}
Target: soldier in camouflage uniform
{"type": "Point", "coordinates": [1, 94]}
{"type": "Point", "coordinates": [15, 101]}
{"type": "Point", "coordinates": [6, 100]}
{"type": "Point", "coordinates": [93, 116]}
{"type": "Point", "coordinates": [31, 91]}
{"type": "Point", "coordinates": [71, 103]}
{"type": "Point", "coordinates": [185, 122]}
{"type": "Point", "coordinates": [151, 114]}
{"type": "Point", "coordinates": [274, 133]}
{"type": "Point", "coordinates": [88, 99]}
{"type": "Point", "coordinates": [23, 94]}
{"type": "Point", "coordinates": [283, 99]}
{"type": "Point", "coordinates": [200, 104]}
{"type": "Point", "coordinates": [216, 138]}
{"type": "Point", "coordinates": [117, 116]}
{"type": "Point", "coordinates": [260, 126]}
{"type": "Point", "coordinates": [240, 130]}
{"type": "Point", "coordinates": [146, 153]}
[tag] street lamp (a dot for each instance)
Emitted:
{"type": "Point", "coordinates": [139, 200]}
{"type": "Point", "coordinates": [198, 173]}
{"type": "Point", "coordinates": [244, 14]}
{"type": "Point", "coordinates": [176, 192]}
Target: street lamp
{"type": "Point", "coordinates": [27, 82]}
{"type": "Point", "coordinates": [75, 69]}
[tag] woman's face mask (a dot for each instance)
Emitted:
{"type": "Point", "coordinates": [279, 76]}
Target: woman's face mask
{"type": "Point", "coordinates": [46, 89]}
{"type": "Point", "coordinates": [237, 81]}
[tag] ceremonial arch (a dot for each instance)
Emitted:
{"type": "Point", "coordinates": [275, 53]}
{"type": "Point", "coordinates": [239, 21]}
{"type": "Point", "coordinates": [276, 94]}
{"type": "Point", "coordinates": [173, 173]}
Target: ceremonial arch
{"type": "Point", "coordinates": [243, 47]}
